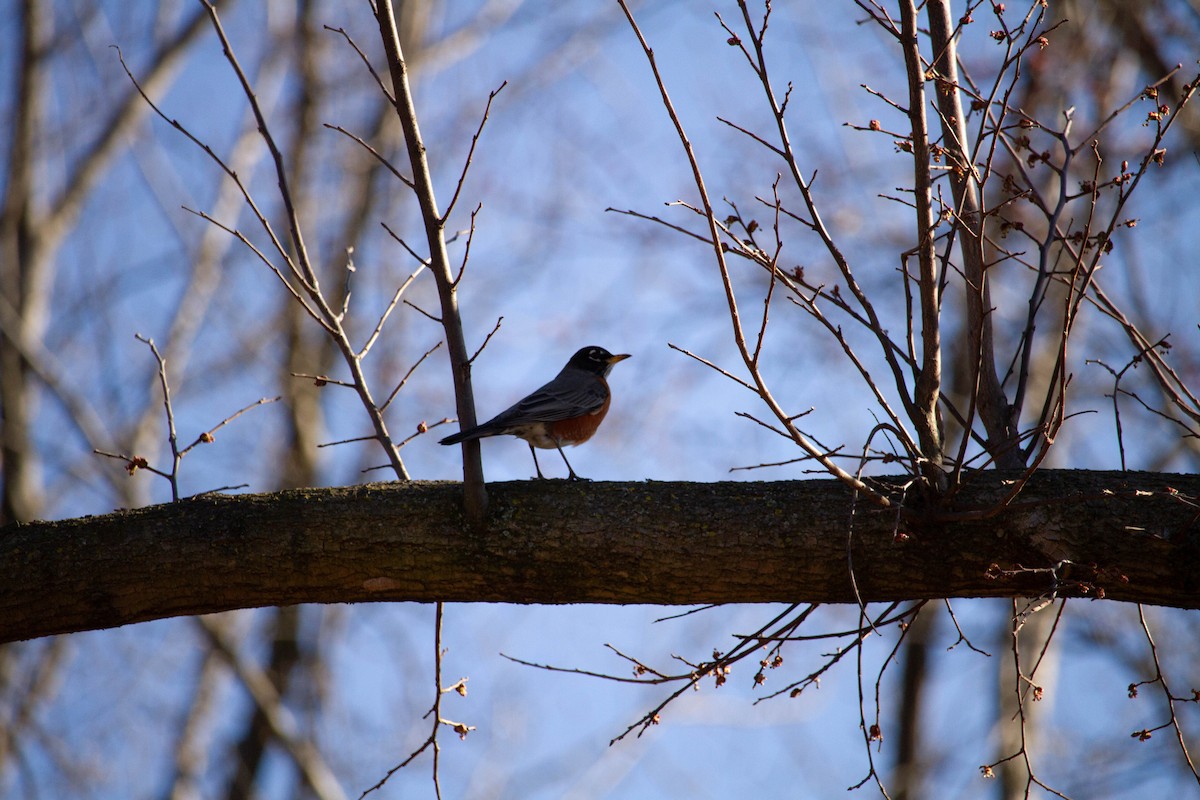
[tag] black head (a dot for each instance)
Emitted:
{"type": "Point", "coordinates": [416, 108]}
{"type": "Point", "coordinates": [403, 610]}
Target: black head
{"type": "Point", "coordinates": [595, 359]}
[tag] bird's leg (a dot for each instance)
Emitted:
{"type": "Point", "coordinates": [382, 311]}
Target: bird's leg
{"type": "Point", "coordinates": [533, 453]}
{"type": "Point", "coordinates": [572, 476]}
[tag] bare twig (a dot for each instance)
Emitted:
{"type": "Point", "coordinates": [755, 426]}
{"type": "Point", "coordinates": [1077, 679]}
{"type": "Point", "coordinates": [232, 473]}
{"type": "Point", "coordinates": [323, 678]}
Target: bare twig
{"type": "Point", "coordinates": [462, 267]}
{"type": "Point", "coordinates": [424, 262]}
{"type": "Point", "coordinates": [380, 157]}
{"type": "Point", "coordinates": [486, 339]}
{"type": "Point", "coordinates": [434, 713]}
{"type": "Point", "coordinates": [408, 375]}
{"type": "Point", "coordinates": [135, 462]}
{"type": "Point", "coordinates": [366, 63]}
{"type": "Point", "coordinates": [207, 436]}
{"type": "Point", "coordinates": [712, 366]}
{"type": "Point", "coordinates": [322, 380]}
{"type": "Point", "coordinates": [462, 177]}
{"type": "Point", "coordinates": [962, 637]}
{"type": "Point", "coordinates": [299, 267]}
{"type": "Point", "coordinates": [387, 312]}
{"type": "Point", "coordinates": [964, 181]}
{"type": "Point", "coordinates": [172, 437]}
{"type": "Point", "coordinates": [1160, 679]}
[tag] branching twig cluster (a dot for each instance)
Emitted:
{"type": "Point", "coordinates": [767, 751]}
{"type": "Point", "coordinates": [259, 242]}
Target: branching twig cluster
{"type": "Point", "coordinates": [1024, 688]}
{"type": "Point", "coordinates": [435, 712]}
{"type": "Point", "coordinates": [134, 462]}
{"type": "Point", "coordinates": [766, 645]}
{"type": "Point", "coordinates": [981, 133]}
{"type": "Point", "coordinates": [1172, 699]}
{"type": "Point", "coordinates": [999, 199]}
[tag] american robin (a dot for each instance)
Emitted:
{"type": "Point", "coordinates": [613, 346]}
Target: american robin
{"type": "Point", "coordinates": [565, 411]}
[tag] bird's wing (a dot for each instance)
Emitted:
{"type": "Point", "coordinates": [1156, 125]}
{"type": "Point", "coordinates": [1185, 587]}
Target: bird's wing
{"type": "Point", "coordinates": [570, 395]}
{"type": "Point", "coordinates": [559, 399]}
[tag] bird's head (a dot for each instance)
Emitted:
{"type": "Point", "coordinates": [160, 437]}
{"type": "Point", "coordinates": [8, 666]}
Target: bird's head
{"type": "Point", "coordinates": [595, 359]}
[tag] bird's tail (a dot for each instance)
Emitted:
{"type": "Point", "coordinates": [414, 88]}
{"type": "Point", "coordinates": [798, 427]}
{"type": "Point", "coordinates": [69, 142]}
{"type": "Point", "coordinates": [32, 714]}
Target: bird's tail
{"type": "Point", "coordinates": [478, 432]}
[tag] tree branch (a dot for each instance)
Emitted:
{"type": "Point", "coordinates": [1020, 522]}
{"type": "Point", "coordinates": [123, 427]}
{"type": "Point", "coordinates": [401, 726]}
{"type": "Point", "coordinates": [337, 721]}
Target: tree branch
{"type": "Point", "coordinates": [1125, 536]}
{"type": "Point", "coordinates": [929, 380]}
{"type": "Point", "coordinates": [994, 409]}
{"type": "Point", "coordinates": [475, 491]}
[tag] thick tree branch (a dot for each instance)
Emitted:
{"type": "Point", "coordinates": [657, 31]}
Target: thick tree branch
{"type": "Point", "coordinates": [1131, 536]}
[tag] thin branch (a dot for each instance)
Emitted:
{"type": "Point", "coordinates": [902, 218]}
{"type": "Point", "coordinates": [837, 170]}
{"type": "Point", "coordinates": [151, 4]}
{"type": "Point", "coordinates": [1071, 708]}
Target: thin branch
{"type": "Point", "coordinates": [370, 438]}
{"type": "Point", "coordinates": [207, 436]}
{"type": "Point", "coordinates": [993, 408]}
{"type": "Point", "coordinates": [1173, 720]}
{"type": "Point", "coordinates": [424, 262]}
{"type": "Point", "coordinates": [712, 366]}
{"type": "Point", "coordinates": [241, 237]}
{"type": "Point", "coordinates": [387, 312]}
{"type": "Point", "coordinates": [408, 375]}
{"type": "Point", "coordinates": [172, 437]}
{"type": "Point", "coordinates": [462, 177]}
{"type": "Point", "coordinates": [380, 157]}
{"type": "Point", "coordinates": [434, 713]}
{"type": "Point", "coordinates": [486, 339]}
{"type": "Point", "coordinates": [423, 312]}
{"type": "Point", "coordinates": [285, 192]}
{"type": "Point", "coordinates": [462, 267]}
{"type": "Point", "coordinates": [258, 215]}
{"type": "Point", "coordinates": [366, 63]}
{"type": "Point", "coordinates": [322, 380]}
{"type": "Point", "coordinates": [929, 380]}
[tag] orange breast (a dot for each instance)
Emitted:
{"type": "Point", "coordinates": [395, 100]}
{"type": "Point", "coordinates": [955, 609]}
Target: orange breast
{"type": "Point", "coordinates": [579, 429]}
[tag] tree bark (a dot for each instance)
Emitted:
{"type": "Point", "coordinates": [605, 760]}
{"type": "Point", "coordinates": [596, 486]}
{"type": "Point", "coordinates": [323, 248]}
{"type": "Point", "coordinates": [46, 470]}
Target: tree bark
{"type": "Point", "coordinates": [1128, 536]}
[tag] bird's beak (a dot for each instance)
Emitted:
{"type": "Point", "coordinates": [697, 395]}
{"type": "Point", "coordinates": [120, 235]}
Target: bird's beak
{"type": "Point", "coordinates": [618, 357]}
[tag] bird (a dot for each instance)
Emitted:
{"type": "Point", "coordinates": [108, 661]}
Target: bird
{"type": "Point", "coordinates": [566, 411]}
